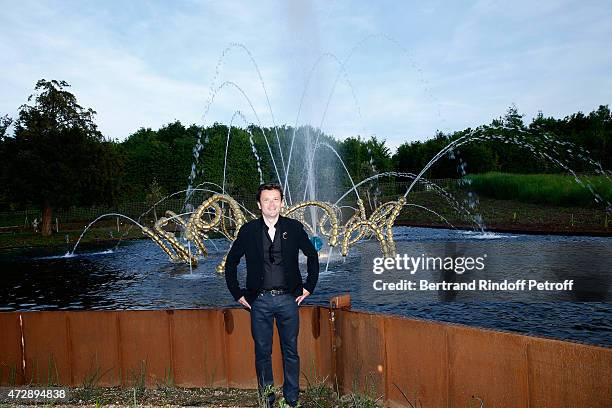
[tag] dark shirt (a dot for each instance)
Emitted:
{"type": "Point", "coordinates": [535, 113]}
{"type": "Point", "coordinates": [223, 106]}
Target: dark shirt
{"type": "Point", "coordinates": [274, 275]}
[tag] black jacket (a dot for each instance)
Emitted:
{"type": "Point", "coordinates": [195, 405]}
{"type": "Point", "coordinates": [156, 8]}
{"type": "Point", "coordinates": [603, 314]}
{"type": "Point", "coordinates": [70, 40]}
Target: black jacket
{"type": "Point", "coordinates": [249, 243]}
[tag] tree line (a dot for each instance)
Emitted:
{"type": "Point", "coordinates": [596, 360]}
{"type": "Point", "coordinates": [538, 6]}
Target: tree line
{"type": "Point", "coordinates": [54, 155]}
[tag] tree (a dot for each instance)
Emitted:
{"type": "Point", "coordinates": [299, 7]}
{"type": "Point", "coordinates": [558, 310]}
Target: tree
{"type": "Point", "coordinates": [155, 194]}
{"type": "Point", "coordinates": [365, 157]}
{"type": "Point", "coordinates": [57, 157]}
{"type": "Point", "coordinates": [5, 123]}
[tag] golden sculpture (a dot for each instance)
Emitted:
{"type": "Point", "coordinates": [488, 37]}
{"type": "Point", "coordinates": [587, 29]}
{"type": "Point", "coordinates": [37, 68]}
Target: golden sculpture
{"type": "Point", "coordinates": [222, 214]}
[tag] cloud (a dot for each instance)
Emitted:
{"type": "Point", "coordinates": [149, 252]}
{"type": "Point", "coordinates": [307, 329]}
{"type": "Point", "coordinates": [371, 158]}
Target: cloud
{"type": "Point", "coordinates": [440, 66]}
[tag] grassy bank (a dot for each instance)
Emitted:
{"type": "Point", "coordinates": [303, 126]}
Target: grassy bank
{"type": "Point", "coordinates": [530, 203]}
{"type": "Point", "coordinates": [510, 215]}
{"type": "Point", "coordinates": [65, 238]}
{"type": "Point", "coordinates": [547, 189]}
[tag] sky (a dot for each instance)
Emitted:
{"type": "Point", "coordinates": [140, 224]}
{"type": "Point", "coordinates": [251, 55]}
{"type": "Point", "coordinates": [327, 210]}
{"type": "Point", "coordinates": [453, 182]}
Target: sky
{"type": "Point", "coordinates": [397, 70]}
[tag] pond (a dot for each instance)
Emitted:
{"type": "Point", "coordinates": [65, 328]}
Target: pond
{"type": "Point", "coordinates": [138, 275]}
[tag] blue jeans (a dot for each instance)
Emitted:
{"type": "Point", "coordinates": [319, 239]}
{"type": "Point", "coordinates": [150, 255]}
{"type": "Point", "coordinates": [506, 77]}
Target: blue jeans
{"type": "Point", "coordinates": [264, 309]}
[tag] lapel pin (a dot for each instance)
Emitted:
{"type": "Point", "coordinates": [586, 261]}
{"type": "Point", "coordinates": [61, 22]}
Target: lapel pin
{"type": "Point", "coordinates": [285, 235]}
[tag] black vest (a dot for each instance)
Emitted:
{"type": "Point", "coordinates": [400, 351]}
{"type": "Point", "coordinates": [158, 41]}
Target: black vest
{"type": "Point", "coordinates": [274, 275]}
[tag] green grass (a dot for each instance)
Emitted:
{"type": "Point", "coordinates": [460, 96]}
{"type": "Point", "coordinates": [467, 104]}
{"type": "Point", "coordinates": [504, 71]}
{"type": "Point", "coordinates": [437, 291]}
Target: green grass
{"type": "Point", "coordinates": [546, 189]}
{"type": "Point", "coordinates": [65, 239]}
{"type": "Point", "coordinates": [507, 215]}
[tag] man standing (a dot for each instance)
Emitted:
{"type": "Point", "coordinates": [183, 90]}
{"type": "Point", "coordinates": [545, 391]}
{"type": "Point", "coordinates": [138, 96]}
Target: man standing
{"type": "Point", "coordinates": [274, 287]}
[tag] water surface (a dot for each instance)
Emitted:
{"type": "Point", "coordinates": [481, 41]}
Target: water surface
{"type": "Point", "coordinates": [138, 275]}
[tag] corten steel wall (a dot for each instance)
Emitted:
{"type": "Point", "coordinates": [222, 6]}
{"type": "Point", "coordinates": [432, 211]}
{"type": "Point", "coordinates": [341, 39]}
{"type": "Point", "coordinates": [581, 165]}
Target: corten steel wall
{"type": "Point", "coordinates": [435, 363]}
{"type": "Point", "coordinates": [439, 364]}
{"type": "Point", "coordinates": [188, 348]}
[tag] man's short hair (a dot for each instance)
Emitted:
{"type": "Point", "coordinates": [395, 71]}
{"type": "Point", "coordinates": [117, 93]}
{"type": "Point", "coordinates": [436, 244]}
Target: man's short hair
{"type": "Point", "coordinates": [269, 186]}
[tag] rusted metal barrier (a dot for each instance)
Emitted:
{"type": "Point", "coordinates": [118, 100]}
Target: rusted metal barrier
{"type": "Point", "coordinates": [392, 357]}
{"type": "Point", "coordinates": [187, 348]}
{"type": "Point", "coordinates": [440, 363]}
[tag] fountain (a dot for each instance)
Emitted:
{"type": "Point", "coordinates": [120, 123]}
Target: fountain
{"type": "Point", "coordinates": [221, 214]}
{"type": "Point", "coordinates": [349, 220]}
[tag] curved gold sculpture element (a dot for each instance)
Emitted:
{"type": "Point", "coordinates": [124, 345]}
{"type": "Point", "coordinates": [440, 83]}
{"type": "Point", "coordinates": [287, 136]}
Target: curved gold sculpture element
{"type": "Point", "coordinates": [380, 224]}
{"type": "Point", "coordinates": [177, 252]}
{"type": "Point", "coordinates": [197, 239]}
{"type": "Point", "coordinates": [222, 214]}
{"type": "Point", "coordinates": [360, 215]}
{"type": "Point", "coordinates": [329, 213]}
{"type": "Point", "coordinates": [372, 227]}
{"type": "Point", "coordinates": [389, 224]}
{"type": "Point", "coordinates": [196, 228]}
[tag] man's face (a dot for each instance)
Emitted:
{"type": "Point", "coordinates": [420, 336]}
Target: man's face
{"type": "Point", "coordinates": [270, 203]}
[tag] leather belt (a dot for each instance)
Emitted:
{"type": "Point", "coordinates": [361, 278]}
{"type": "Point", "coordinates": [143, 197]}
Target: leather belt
{"type": "Point", "coordinates": [274, 292]}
